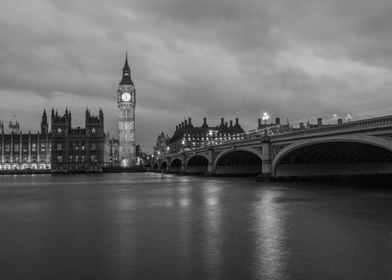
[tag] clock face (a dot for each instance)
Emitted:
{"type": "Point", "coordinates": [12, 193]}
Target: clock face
{"type": "Point", "coordinates": [125, 97]}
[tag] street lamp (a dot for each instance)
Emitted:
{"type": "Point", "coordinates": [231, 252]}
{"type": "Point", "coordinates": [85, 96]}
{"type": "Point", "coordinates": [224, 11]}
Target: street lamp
{"type": "Point", "coordinates": [265, 119]}
{"type": "Point", "coordinates": [210, 133]}
{"type": "Point", "coordinates": [183, 145]}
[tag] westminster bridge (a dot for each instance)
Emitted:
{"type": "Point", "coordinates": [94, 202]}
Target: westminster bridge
{"type": "Point", "coordinates": [353, 148]}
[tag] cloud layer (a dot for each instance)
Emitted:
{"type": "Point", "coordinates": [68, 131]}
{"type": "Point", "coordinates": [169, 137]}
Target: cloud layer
{"type": "Point", "coordinates": [217, 58]}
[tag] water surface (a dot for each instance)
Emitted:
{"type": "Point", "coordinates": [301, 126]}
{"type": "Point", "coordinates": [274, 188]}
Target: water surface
{"type": "Point", "coordinates": [139, 226]}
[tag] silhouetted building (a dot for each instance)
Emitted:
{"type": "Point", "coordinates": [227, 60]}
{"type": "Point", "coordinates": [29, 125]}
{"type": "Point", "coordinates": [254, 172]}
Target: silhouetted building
{"type": "Point", "coordinates": [187, 136]}
{"type": "Point", "coordinates": [78, 149]}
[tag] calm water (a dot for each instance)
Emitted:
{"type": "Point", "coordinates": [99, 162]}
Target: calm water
{"type": "Point", "coordinates": [139, 226]}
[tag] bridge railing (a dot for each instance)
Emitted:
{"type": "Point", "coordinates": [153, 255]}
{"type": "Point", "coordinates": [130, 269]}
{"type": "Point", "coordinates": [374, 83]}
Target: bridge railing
{"type": "Point", "coordinates": [384, 121]}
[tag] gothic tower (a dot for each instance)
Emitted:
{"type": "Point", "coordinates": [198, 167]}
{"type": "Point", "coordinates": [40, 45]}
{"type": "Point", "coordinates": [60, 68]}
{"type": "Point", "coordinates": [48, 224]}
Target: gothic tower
{"type": "Point", "coordinates": [126, 100]}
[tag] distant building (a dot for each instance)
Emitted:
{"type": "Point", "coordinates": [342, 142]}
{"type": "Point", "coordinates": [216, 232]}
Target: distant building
{"type": "Point", "coordinates": [162, 145]}
{"type": "Point", "coordinates": [187, 136]}
{"type": "Point", "coordinates": [20, 151]}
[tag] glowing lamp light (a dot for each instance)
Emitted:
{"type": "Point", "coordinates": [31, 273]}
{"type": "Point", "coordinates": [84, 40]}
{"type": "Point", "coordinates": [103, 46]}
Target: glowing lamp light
{"type": "Point", "coordinates": [265, 117]}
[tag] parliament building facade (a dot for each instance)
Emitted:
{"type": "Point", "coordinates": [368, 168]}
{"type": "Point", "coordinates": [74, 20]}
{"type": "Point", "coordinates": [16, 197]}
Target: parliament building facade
{"type": "Point", "coordinates": [61, 148]}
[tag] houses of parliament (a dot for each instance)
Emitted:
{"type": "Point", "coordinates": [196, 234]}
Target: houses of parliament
{"type": "Point", "coordinates": [59, 147]}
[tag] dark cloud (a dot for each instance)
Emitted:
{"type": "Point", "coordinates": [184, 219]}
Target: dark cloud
{"type": "Point", "coordinates": [296, 59]}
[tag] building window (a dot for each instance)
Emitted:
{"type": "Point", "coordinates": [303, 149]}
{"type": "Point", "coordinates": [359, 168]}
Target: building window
{"type": "Point", "coordinates": [70, 158]}
{"type": "Point", "coordinates": [93, 130]}
{"type": "Point", "coordinates": [93, 147]}
{"type": "Point", "coordinates": [7, 147]}
{"type": "Point", "coordinates": [59, 131]}
{"type": "Point", "coordinates": [34, 147]}
{"type": "Point", "coordinates": [59, 147]}
{"type": "Point", "coordinates": [59, 158]}
{"type": "Point", "coordinates": [16, 148]}
{"type": "Point", "coordinates": [94, 158]}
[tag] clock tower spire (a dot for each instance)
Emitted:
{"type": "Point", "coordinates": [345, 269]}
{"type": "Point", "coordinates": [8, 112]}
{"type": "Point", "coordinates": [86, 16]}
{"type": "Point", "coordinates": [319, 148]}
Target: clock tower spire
{"type": "Point", "coordinates": [126, 101]}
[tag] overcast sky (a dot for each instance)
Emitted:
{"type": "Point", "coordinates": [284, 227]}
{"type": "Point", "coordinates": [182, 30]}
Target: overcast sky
{"type": "Point", "coordinates": [299, 60]}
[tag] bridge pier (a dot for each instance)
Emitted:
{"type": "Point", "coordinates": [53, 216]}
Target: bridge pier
{"type": "Point", "coordinates": [266, 156]}
{"type": "Point", "coordinates": [211, 160]}
{"type": "Point", "coordinates": [182, 169]}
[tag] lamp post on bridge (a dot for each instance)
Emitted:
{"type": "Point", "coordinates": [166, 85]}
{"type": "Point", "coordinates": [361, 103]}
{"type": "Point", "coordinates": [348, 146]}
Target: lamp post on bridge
{"type": "Point", "coordinates": [182, 169]}
{"type": "Point", "coordinates": [266, 165]}
{"type": "Point", "coordinates": [265, 119]}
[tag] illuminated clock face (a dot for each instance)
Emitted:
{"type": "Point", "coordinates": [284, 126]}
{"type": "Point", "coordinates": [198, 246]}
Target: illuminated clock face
{"type": "Point", "coordinates": [125, 97]}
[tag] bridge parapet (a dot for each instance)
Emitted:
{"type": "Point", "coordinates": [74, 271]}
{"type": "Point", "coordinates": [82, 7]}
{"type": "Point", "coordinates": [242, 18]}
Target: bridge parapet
{"type": "Point", "coordinates": [374, 123]}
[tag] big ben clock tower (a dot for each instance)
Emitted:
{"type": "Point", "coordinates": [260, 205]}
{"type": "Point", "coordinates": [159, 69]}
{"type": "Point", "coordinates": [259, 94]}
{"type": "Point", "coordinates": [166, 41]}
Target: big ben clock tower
{"type": "Point", "coordinates": [126, 100]}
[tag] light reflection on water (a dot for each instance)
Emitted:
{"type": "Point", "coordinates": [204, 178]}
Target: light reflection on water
{"type": "Point", "coordinates": [270, 252]}
{"type": "Point", "coordinates": [139, 226]}
{"type": "Point", "coordinates": [213, 232]}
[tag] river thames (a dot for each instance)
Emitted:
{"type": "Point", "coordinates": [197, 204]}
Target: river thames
{"type": "Point", "coordinates": [142, 226]}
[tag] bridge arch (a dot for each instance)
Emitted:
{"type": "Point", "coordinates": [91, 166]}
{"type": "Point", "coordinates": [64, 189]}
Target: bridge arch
{"type": "Point", "coordinates": [238, 161]}
{"type": "Point", "coordinates": [164, 165]}
{"type": "Point", "coordinates": [197, 163]}
{"type": "Point", "coordinates": [339, 155]}
{"type": "Point", "coordinates": [175, 165]}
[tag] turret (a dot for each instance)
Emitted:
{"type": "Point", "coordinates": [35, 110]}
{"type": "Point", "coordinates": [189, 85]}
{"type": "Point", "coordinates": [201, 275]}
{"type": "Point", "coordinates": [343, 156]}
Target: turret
{"type": "Point", "coordinates": [222, 124]}
{"type": "Point", "coordinates": [44, 123]}
{"type": "Point", "coordinates": [205, 125]}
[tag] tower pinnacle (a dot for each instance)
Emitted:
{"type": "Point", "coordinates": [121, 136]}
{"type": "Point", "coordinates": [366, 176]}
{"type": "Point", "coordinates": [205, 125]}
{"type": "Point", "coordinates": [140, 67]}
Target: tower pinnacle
{"type": "Point", "coordinates": [126, 77]}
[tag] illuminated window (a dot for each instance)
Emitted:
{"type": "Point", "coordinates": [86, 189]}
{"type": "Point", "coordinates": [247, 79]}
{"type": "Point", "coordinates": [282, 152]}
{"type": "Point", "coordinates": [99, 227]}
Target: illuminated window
{"type": "Point", "coordinates": [59, 147]}
{"type": "Point", "coordinates": [59, 158]}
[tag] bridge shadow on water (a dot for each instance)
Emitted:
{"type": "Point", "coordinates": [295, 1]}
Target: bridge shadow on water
{"type": "Point", "coordinates": [365, 182]}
